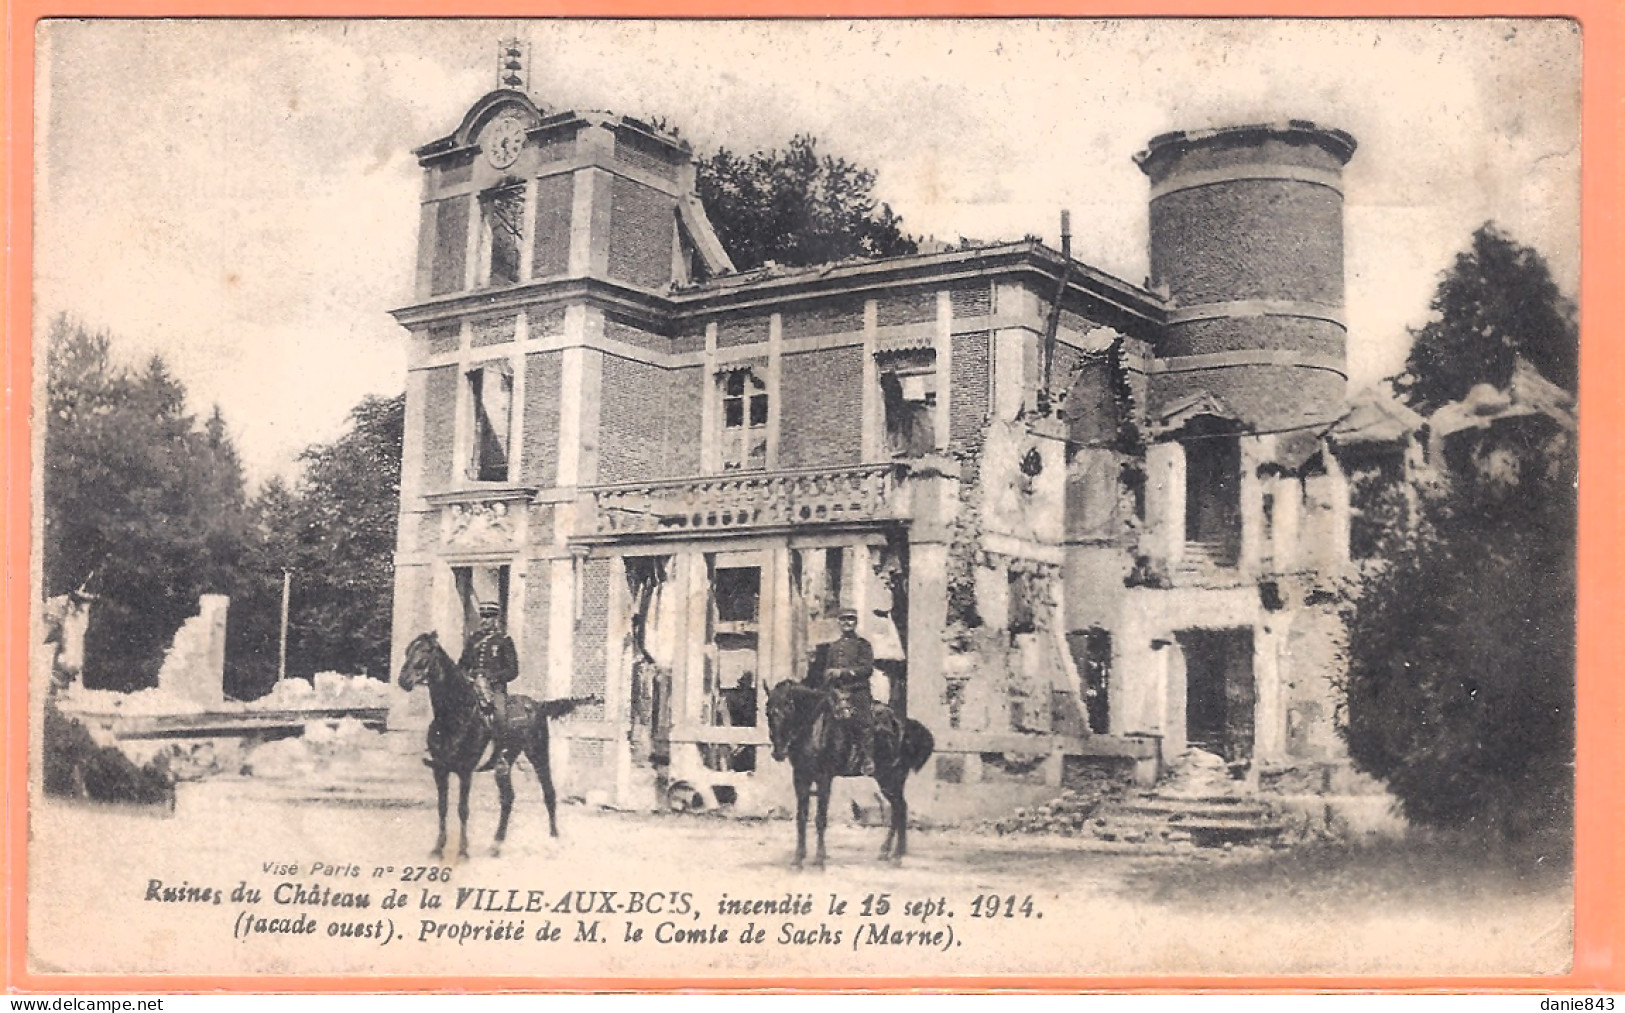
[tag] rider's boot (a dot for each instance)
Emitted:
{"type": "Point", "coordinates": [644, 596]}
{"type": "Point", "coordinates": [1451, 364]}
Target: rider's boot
{"type": "Point", "coordinates": [495, 720]}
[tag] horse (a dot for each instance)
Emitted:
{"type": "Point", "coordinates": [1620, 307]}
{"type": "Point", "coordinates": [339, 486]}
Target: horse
{"type": "Point", "coordinates": [459, 734]}
{"type": "Point", "coordinates": [802, 725]}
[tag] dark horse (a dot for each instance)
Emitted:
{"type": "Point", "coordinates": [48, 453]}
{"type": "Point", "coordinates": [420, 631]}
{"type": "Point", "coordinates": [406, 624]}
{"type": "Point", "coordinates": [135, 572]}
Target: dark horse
{"type": "Point", "coordinates": [458, 737]}
{"type": "Point", "coordinates": [801, 722]}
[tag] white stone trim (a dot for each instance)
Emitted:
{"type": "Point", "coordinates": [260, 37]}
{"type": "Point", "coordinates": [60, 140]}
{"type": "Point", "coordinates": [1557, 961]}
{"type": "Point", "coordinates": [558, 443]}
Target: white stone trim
{"type": "Point", "coordinates": [1253, 308]}
{"type": "Point", "coordinates": [1259, 357]}
{"type": "Point", "coordinates": [1274, 171]}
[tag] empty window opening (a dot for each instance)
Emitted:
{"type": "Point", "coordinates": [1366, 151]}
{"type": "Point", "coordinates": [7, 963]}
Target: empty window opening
{"type": "Point", "coordinates": [733, 664]}
{"type": "Point", "coordinates": [1092, 654]}
{"type": "Point", "coordinates": [1213, 495]}
{"type": "Point", "coordinates": [908, 388]}
{"type": "Point", "coordinates": [744, 421]}
{"type": "Point", "coordinates": [650, 650]}
{"type": "Point", "coordinates": [1022, 615]}
{"type": "Point", "coordinates": [476, 584]}
{"type": "Point", "coordinates": [503, 214]}
{"type": "Point", "coordinates": [1219, 691]}
{"type": "Point", "coordinates": [490, 389]}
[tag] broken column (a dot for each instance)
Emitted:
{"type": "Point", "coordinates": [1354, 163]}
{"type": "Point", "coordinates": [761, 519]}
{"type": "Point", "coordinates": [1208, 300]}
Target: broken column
{"type": "Point", "coordinates": [195, 667]}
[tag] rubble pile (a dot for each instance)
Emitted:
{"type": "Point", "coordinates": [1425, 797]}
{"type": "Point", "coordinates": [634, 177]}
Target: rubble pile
{"type": "Point", "coordinates": [1199, 774]}
{"type": "Point", "coordinates": [1071, 813]}
{"type": "Point", "coordinates": [327, 690]}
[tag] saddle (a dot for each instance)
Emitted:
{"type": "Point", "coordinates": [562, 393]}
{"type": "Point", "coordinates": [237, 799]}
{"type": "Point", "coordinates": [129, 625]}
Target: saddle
{"type": "Point", "coordinates": [888, 728]}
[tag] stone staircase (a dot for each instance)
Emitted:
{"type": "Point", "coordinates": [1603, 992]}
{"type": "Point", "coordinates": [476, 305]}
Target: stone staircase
{"type": "Point", "coordinates": [1203, 820]}
{"type": "Point", "coordinates": [1205, 561]}
{"type": "Point", "coordinates": [1199, 803]}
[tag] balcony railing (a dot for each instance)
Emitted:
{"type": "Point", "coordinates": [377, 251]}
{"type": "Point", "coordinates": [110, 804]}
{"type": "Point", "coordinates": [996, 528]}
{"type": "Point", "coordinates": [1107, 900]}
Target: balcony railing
{"type": "Point", "coordinates": [744, 500]}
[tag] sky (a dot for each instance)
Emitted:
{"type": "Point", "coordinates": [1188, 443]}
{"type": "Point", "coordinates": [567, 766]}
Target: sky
{"type": "Point", "coordinates": [241, 197]}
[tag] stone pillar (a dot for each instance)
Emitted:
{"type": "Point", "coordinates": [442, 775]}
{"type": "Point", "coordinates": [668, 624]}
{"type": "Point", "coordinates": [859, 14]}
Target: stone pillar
{"type": "Point", "coordinates": [1164, 537]}
{"type": "Point", "coordinates": [927, 618]}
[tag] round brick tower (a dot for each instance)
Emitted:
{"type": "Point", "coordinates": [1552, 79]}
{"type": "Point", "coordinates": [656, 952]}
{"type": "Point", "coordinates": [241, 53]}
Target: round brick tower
{"type": "Point", "coordinates": [1247, 238]}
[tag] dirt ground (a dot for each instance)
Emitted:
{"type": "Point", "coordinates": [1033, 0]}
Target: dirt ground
{"type": "Point", "coordinates": [976, 904]}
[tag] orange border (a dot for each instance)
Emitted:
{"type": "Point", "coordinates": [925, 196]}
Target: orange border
{"type": "Point", "coordinates": [1599, 956]}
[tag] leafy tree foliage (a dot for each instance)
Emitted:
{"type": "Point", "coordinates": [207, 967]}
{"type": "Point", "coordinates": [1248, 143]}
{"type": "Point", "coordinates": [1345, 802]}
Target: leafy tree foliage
{"type": "Point", "coordinates": [797, 207]}
{"type": "Point", "coordinates": [336, 532]}
{"type": "Point", "coordinates": [1497, 302]}
{"type": "Point", "coordinates": [1461, 647]}
{"type": "Point", "coordinates": [137, 493]}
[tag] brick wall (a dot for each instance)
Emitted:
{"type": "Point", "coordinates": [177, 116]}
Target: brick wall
{"type": "Point", "coordinates": [968, 407]}
{"type": "Point", "coordinates": [733, 331]}
{"type": "Point", "coordinates": [495, 330]}
{"type": "Point", "coordinates": [589, 675]}
{"type": "Point", "coordinates": [647, 155]}
{"type": "Point", "coordinates": [1066, 362]}
{"type": "Point", "coordinates": [681, 424]}
{"type": "Point", "coordinates": [555, 197]}
{"type": "Point", "coordinates": [450, 245]}
{"type": "Point", "coordinates": [1261, 395]}
{"type": "Point", "coordinates": [1204, 337]}
{"type": "Point", "coordinates": [972, 298]}
{"type": "Point", "coordinates": [915, 306]}
{"type": "Point", "coordinates": [444, 338]}
{"type": "Point", "coordinates": [540, 525]}
{"type": "Point", "coordinates": [642, 228]}
{"type": "Point", "coordinates": [556, 148]}
{"type": "Point", "coordinates": [1249, 239]}
{"type": "Point", "coordinates": [821, 408]}
{"type": "Point", "coordinates": [542, 377]}
{"type": "Point", "coordinates": [828, 316]}
{"type": "Point", "coordinates": [545, 322]}
{"type": "Point", "coordinates": [533, 641]}
{"type": "Point", "coordinates": [627, 333]}
{"type": "Point", "coordinates": [439, 426]}
{"type": "Point", "coordinates": [454, 173]}
{"type": "Point", "coordinates": [634, 424]}
{"type": "Point", "coordinates": [690, 337]}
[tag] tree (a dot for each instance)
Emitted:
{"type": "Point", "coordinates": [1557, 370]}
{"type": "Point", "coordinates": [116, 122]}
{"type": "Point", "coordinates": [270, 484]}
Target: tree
{"type": "Point", "coordinates": [797, 207]}
{"type": "Point", "coordinates": [1497, 302]}
{"type": "Point", "coordinates": [136, 493]}
{"type": "Point", "coordinates": [336, 532]}
{"type": "Point", "coordinates": [1462, 652]}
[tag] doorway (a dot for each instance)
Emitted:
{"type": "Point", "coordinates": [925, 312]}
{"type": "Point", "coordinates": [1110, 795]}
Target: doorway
{"type": "Point", "coordinates": [1219, 691]}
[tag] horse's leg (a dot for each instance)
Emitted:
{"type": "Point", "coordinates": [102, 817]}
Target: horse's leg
{"type": "Point", "coordinates": [505, 795]}
{"type": "Point", "coordinates": [542, 764]}
{"type": "Point", "coordinates": [886, 792]}
{"type": "Point", "coordinates": [441, 787]}
{"type": "Point", "coordinates": [465, 781]}
{"type": "Point", "coordinates": [803, 793]}
{"type": "Point", "coordinates": [899, 816]}
{"type": "Point", "coordinates": [823, 817]}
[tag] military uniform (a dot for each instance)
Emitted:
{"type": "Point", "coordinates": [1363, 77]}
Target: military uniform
{"type": "Point", "coordinates": [491, 661]}
{"type": "Point", "coordinates": [848, 664]}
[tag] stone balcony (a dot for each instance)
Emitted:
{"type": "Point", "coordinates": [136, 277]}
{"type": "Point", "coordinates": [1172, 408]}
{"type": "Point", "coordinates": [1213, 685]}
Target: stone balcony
{"type": "Point", "coordinates": [747, 501]}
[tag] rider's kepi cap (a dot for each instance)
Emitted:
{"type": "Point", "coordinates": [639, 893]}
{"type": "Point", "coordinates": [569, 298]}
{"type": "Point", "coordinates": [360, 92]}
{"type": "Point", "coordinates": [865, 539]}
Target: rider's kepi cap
{"type": "Point", "coordinates": [490, 608]}
{"type": "Point", "coordinates": [847, 613]}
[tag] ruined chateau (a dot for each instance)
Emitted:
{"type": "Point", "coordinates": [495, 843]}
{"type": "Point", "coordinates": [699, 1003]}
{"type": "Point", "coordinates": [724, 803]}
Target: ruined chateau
{"type": "Point", "coordinates": [1084, 521]}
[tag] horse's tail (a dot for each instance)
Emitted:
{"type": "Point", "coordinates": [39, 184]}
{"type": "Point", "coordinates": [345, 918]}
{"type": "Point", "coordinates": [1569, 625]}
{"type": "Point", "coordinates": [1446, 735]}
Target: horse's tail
{"type": "Point", "coordinates": [559, 708]}
{"type": "Point", "coordinates": [918, 744]}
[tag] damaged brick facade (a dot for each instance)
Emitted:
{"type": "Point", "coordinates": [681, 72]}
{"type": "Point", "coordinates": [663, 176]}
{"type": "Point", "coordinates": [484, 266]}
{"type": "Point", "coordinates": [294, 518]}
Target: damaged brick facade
{"type": "Point", "coordinates": [705, 465]}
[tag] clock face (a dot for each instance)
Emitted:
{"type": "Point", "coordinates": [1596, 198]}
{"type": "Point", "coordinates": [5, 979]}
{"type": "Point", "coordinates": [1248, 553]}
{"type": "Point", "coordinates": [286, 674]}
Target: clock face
{"type": "Point", "coordinates": [503, 141]}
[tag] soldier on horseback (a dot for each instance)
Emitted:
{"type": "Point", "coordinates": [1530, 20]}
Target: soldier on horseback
{"type": "Point", "coordinates": [491, 662]}
{"type": "Point", "coordinates": [848, 664]}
